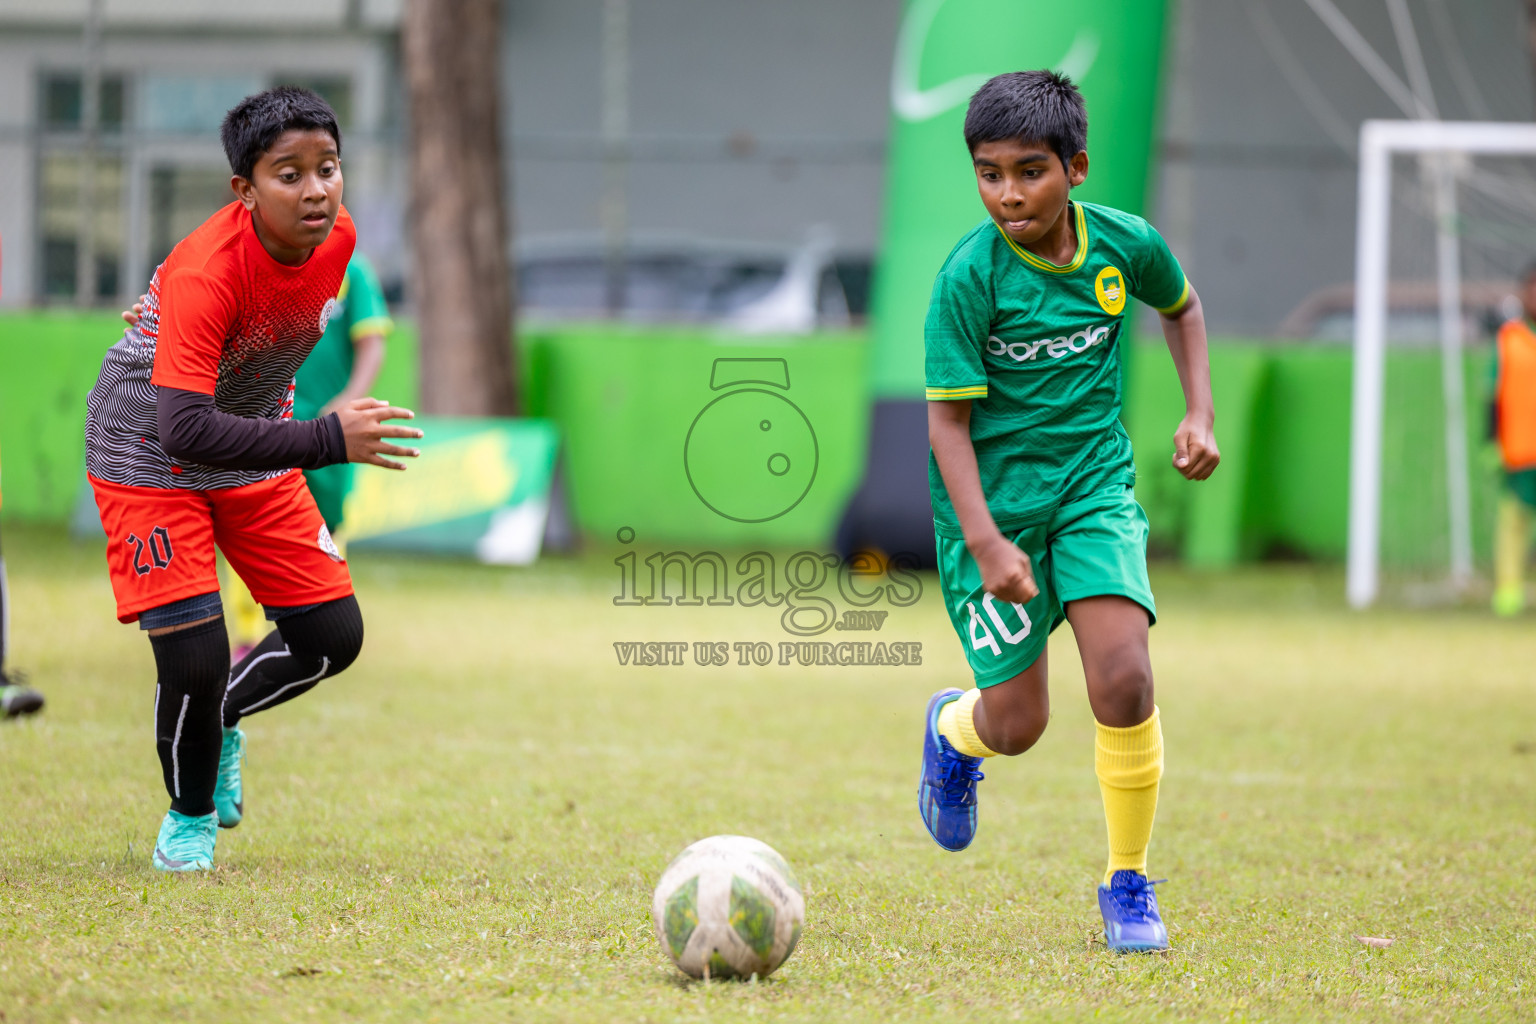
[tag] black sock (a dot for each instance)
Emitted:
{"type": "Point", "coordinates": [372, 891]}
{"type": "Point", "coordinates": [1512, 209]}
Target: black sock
{"type": "Point", "coordinates": [5, 618]}
{"type": "Point", "coordinates": [304, 649]}
{"type": "Point", "coordinates": [192, 665]}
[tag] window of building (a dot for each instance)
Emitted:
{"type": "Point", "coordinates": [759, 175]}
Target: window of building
{"type": "Point", "coordinates": [181, 197]}
{"type": "Point", "coordinates": [334, 89]}
{"type": "Point", "coordinates": [59, 224]}
{"type": "Point", "coordinates": [62, 95]}
{"type": "Point", "coordinates": [190, 104]}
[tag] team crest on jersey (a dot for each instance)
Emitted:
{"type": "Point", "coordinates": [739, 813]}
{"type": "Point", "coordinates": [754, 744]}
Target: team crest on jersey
{"type": "Point", "coordinates": [328, 544]}
{"type": "Point", "coordinates": [329, 308]}
{"type": "Point", "coordinates": [1109, 287]}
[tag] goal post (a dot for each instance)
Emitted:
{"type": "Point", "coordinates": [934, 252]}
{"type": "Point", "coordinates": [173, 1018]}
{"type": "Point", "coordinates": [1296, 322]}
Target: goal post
{"type": "Point", "coordinates": [1380, 141]}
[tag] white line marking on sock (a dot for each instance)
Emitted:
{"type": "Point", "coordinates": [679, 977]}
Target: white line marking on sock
{"type": "Point", "coordinates": [186, 699]}
{"type": "Point", "coordinates": [325, 664]}
{"type": "Point", "coordinates": [234, 682]}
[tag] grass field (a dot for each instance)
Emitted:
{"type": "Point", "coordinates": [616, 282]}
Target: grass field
{"type": "Point", "coordinates": [467, 824]}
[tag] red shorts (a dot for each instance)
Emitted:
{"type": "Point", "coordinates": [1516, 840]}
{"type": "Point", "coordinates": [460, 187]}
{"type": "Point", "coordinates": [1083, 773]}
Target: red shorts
{"type": "Point", "coordinates": [160, 543]}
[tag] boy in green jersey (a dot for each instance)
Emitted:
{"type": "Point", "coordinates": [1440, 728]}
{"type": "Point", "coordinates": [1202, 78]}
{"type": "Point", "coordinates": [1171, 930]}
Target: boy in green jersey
{"type": "Point", "coordinates": [1031, 473]}
{"type": "Point", "coordinates": [343, 366]}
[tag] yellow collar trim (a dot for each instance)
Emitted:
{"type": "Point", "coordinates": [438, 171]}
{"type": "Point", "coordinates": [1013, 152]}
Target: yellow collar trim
{"type": "Point", "coordinates": [1024, 254]}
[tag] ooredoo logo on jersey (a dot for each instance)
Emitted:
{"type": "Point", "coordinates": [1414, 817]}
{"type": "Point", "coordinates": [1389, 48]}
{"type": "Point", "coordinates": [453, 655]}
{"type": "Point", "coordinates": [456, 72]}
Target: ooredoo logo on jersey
{"type": "Point", "coordinates": [1054, 348]}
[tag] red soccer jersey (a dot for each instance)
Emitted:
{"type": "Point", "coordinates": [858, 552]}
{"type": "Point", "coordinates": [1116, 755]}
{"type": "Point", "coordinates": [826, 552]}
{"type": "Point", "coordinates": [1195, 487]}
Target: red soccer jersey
{"type": "Point", "coordinates": [223, 318]}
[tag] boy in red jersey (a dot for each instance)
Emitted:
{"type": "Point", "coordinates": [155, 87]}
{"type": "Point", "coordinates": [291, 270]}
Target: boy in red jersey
{"type": "Point", "coordinates": [190, 442]}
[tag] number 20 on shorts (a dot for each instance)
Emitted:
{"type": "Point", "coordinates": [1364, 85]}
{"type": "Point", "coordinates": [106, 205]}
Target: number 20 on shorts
{"type": "Point", "coordinates": [983, 638]}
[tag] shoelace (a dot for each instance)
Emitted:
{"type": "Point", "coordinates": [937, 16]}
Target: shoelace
{"type": "Point", "coordinates": [186, 841]}
{"type": "Point", "coordinates": [1132, 899]}
{"type": "Point", "coordinates": [960, 774]}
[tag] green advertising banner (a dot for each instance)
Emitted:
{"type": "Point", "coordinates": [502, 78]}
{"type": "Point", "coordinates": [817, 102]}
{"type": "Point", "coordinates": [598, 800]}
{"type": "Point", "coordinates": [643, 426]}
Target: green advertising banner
{"type": "Point", "coordinates": [946, 49]}
{"type": "Point", "coordinates": [480, 488]}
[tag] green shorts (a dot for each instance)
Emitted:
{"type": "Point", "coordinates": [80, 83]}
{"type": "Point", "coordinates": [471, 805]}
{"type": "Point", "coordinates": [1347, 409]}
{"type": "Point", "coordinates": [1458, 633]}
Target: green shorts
{"type": "Point", "coordinates": [1091, 547]}
{"type": "Point", "coordinates": [330, 485]}
{"type": "Point", "coordinates": [1522, 484]}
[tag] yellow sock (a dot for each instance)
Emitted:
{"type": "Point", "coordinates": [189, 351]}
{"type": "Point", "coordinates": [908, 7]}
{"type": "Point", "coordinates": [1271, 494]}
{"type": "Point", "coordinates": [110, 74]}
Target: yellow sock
{"type": "Point", "coordinates": [247, 623]}
{"type": "Point", "coordinates": [1129, 764]}
{"type": "Point", "coordinates": [1511, 548]}
{"type": "Point", "coordinates": [957, 724]}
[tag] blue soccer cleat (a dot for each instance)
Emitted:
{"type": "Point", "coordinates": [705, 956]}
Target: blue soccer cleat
{"type": "Point", "coordinates": [1131, 921]}
{"type": "Point", "coordinates": [185, 843]}
{"type": "Point", "coordinates": [946, 790]}
{"type": "Point", "coordinates": [228, 795]}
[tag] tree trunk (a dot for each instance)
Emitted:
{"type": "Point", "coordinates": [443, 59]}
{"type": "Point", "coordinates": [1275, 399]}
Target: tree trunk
{"type": "Point", "coordinates": [462, 279]}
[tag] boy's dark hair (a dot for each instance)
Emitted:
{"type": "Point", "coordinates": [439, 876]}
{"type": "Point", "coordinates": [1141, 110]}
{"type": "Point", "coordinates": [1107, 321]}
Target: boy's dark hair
{"type": "Point", "coordinates": [253, 124]}
{"type": "Point", "coordinates": [1031, 106]}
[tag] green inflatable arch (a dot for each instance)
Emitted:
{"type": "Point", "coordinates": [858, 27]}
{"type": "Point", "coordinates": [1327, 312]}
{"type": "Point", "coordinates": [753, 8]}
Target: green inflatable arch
{"type": "Point", "coordinates": [945, 50]}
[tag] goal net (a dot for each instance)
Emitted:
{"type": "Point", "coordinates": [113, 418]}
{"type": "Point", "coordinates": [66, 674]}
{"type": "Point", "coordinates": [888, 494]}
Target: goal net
{"type": "Point", "coordinates": [1446, 225]}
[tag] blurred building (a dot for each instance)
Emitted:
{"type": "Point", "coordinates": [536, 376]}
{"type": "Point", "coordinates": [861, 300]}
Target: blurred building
{"type": "Point", "coordinates": [747, 124]}
{"type": "Point", "coordinates": [169, 69]}
{"type": "Point", "coordinates": [1256, 179]}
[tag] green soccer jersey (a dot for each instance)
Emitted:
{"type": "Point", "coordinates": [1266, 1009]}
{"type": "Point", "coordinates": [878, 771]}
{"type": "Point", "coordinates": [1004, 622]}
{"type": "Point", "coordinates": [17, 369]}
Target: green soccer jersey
{"type": "Point", "coordinates": [1034, 347]}
{"type": "Point", "coordinates": [360, 311]}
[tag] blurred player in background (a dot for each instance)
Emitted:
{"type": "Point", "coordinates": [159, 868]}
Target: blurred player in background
{"type": "Point", "coordinates": [16, 698]}
{"type": "Point", "coordinates": [1512, 424]}
{"type": "Point", "coordinates": [342, 368]}
{"type": "Point", "coordinates": [1031, 474]}
{"type": "Point", "coordinates": [191, 443]}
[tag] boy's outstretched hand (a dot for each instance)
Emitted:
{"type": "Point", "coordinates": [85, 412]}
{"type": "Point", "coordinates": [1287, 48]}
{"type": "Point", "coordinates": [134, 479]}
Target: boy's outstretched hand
{"type": "Point", "coordinates": [131, 316]}
{"type": "Point", "coordinates": [1194, 447]}
{"type": "Point", "coordinates": [1005, 571]}
{"type": "Point", "coordinates": [362, 422]}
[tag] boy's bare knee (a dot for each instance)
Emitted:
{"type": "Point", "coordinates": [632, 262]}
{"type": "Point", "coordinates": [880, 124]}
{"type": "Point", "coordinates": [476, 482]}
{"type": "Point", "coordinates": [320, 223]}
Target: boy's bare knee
{"type": "Point", "coordinates": [1122, 692]}
{"type": "Point", "coordinates": [1016, 732]}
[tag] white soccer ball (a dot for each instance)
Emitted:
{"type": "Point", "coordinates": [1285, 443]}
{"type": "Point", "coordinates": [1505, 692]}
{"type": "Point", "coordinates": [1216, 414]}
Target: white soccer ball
{"type": "Point", "coordinates": [728, 907]}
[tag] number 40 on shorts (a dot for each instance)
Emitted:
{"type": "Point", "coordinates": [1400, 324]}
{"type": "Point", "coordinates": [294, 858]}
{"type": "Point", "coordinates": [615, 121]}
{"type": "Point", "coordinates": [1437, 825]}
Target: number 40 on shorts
{"type": "Point", "coordinates": [983, 637]}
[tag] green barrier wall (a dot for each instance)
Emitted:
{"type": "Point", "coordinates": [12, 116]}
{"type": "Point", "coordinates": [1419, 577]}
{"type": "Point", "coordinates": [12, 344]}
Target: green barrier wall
{"type": "Point", "coordinates": [1282, 420]}
{"type": "Point", "coordinates": [48, 362]}
{"type": "Point", "coordinates": [625, 400]}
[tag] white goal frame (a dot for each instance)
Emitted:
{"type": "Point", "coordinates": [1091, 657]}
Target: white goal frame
{"type": "Point", "coordinates": [1380, 141]}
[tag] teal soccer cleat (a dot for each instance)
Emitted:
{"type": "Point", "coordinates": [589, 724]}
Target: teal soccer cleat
{"type": "Point", "coordinates": [17, 698]}
{"type": "Point", "coordinates": [1132, 923]}
{"type": "Point", "coordinates": [185, 843]}
{"type": "Point", "coordinates": [228, 793]}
